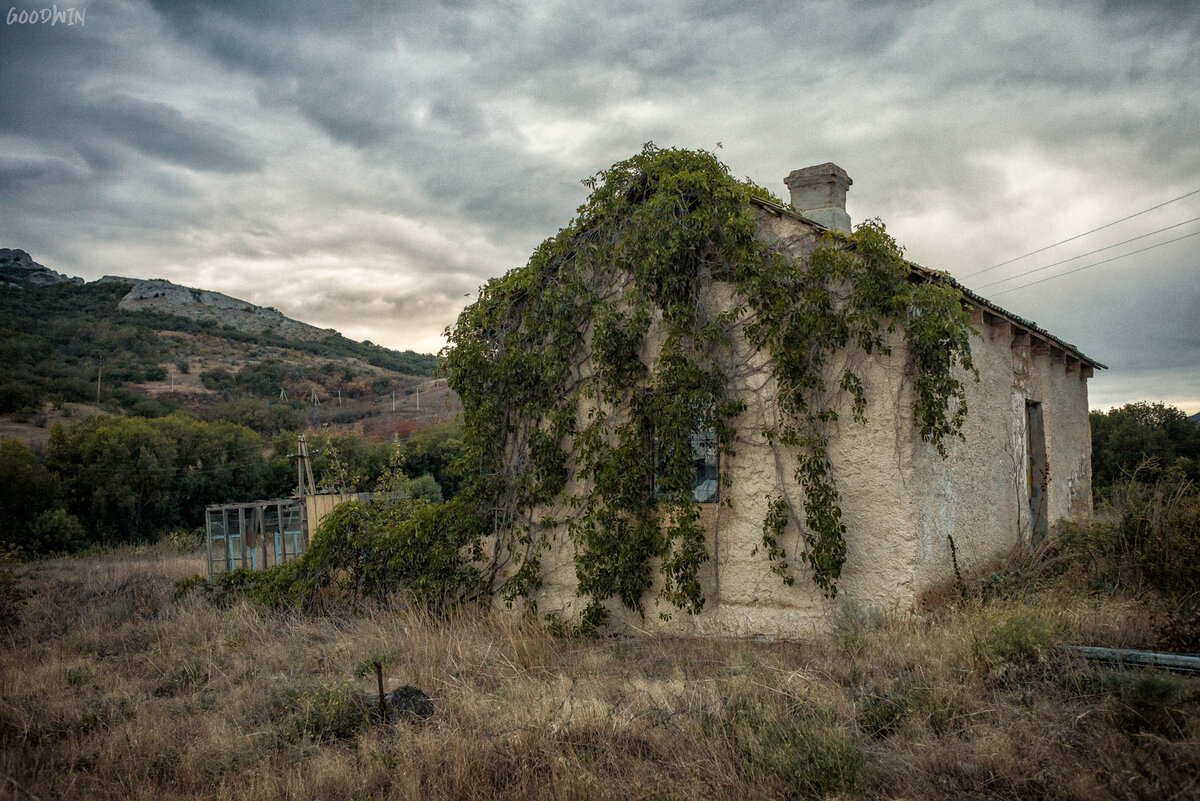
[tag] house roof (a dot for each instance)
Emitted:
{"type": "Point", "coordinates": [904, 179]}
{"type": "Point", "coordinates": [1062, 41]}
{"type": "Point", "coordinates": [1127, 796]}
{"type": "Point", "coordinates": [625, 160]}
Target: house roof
{"type": "Point", "coordinates": [1020, 326]}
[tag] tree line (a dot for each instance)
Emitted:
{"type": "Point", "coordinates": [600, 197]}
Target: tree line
{"type": "Point", "coordinates": [115, 480]}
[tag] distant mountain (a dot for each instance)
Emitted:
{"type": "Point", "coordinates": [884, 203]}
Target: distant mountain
{"type": "Point", "coordinates": [163, 296]}
{"type": "Point", "coordinates": [18, 269]}
{"type": "Point", "coordinates": [147, 346]}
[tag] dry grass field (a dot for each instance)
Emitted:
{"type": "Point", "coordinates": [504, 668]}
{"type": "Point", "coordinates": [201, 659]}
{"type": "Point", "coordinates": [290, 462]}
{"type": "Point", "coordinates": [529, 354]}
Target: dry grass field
{"type": "Point", "coordinates": [110, 687]}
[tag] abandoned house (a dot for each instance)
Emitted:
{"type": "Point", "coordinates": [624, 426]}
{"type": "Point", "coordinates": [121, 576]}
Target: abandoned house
{"type": "Point", "coordinates": [909, 503]}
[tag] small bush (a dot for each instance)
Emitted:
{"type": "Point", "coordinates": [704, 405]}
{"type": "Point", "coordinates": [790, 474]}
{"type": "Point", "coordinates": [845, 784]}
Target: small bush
{"type": "Point", "coordinates": [13, 593]}
{"type": "Point", "coordinates": [854, 623]}
{"type": "Point", "coordinates": [1147, 538]}
{"type": "Point", "coordinates": [217, 380]}
{"type": "Point", "coordinates": [883, 710]}
{"type": "Point", "coordinates": [800, 748]}
{"type": "Point", "coordinates": [186, 586]}
{"type": "Point", "coordinates": [326, 712]}
{"type": "Point", "coordinates": [1150, 701]}
{"type": "Point", "coordinates": [57, 531]}
{"type": "Point", "coordinates": [1017, 641]}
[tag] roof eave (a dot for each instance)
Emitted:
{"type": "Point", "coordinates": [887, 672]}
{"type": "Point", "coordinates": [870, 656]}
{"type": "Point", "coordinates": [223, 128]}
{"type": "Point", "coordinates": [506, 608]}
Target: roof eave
{"type": "Point", "coordinates": [937, 275]}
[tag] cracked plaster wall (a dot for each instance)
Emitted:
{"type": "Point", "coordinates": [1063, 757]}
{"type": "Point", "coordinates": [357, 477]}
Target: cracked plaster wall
{"type": "Point", "coordinates": [900, 500]}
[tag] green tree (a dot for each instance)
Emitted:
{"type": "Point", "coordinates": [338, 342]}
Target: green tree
{"type": "Point", "coordinates": [133, 478]}
{"type": "Point", "coordinates": [27, 489]}
{"type": "Point", "coordinates": [1155, 437]}
{"type": "Point", "coordinates": [55, 531]}
{"type": "Point", "coordinates": [265, 417]}
{"type": "Point", "coordinates": [435, 451]}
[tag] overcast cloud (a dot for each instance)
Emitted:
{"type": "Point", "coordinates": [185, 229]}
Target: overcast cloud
{"type": "Point", "coordinates": [368, 169]}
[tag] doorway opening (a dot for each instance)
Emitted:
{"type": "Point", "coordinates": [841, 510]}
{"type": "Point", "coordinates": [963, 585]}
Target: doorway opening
{"type": "Point", "coordinates": [1037, 472]}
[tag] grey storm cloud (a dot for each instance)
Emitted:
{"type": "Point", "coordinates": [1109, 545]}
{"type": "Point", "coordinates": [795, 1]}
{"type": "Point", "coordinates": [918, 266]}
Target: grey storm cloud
{"type": "Point", "coordinates": [367, 165]}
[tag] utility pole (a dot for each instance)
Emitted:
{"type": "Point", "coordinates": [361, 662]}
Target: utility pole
{"type": "Point", "coordinates": [418, 397]}
{"type": "Point", "coordinates": [393, 401]}
{"type": "Point", "coordinates": [304, 470]}
{"type": "Point", "coordinates": [99, 370]}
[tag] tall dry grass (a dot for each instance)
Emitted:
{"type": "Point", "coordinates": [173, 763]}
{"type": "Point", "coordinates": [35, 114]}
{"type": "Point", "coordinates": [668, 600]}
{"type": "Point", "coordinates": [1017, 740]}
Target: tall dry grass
{"type": "Point", "coordinates": [109, 688]}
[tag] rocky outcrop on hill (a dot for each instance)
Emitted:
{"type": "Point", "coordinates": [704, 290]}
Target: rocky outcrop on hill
{"type": "Point", "coordinates": [17, 268]}
{"type": "Point", "coordinates": [202, 304]}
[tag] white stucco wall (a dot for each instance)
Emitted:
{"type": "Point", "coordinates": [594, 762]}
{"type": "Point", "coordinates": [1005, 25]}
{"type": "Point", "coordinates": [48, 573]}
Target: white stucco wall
{"type": "Point", "coordinates": [900, 499]}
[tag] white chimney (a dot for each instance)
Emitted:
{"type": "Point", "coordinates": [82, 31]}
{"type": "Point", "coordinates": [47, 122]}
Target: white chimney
{"type": "Point", "coordinates": [819, 193]}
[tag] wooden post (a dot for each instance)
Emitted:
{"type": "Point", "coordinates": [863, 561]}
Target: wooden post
{"type": "Point", "coordinates": [280, 535]}
{"type": "Point", "coordinates": [241, 533]}
{"type": "Point", "coordinates": [228, 548]}
{"type": "Point", "coordinates": [383, 709]}
{"type": "Point", "coordinates": [208, 554]}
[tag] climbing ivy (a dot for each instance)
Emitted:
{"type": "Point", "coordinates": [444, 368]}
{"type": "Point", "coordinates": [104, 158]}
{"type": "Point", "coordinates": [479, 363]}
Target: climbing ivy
{"type": "Point", "coordinates": [572, 408]}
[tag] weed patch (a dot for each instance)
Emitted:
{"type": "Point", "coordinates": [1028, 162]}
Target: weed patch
{"type": "Point", "coordinates": [801, 749]}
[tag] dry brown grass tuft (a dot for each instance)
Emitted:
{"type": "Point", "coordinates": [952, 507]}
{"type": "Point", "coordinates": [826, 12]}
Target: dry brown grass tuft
{"type": "Point", "coordinates": [112, 689]}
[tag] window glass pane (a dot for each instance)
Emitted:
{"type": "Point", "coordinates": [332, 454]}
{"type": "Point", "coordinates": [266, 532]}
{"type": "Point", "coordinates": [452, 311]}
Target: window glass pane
{"type": "Point", "coordinates": [705, 473]}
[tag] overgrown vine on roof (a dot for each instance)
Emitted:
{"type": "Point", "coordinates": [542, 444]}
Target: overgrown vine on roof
{"type": "Point", "coordinates": [572, 408]}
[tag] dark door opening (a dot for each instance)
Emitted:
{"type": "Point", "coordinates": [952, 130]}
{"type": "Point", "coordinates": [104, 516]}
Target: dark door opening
{"type": "Point", "coordinates": [1037, 472]}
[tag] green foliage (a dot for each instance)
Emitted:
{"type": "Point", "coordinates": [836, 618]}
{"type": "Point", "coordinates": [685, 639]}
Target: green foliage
{"type": "Point", "coordinates": [1143, 440]}
{"type": "Point", "coordinates": [435, 451]}
{"type": "Point", "coordinates": [884, 709]}
{"type": "Point", "coordinates": [1152, 701]}
{"type": "Point", "coordinates": [27, 489]}
{"type": "Point", "coordinates": [1146, 537]}
{"type": "Point", "coordinates": [131, 479]}
{"type": "Point", "coordinates": [1019, 640]}
{"type": "Point", "coordinates": [426, 488]}
{"type": "Point", "coordinates": [55, 339]}
{"type": "Point", "coordinates": [397, 543]}
{"type": "Point", "coordinates": [13, 592]}
{"type": "Point", "coordinates": [262, 416]}
{"type": "Point", "coordinates": [324, 712]}
{"type": "Point", "coordinates": [56, 531]}
{"type": "Point", "coordinates": [658, 229]}
{"type": "Point", "coordinates": [347, 462]}
{"type": "Point", "coordinates": [217, 379]}
{"type": "Point", "coordinates": [796, 746]}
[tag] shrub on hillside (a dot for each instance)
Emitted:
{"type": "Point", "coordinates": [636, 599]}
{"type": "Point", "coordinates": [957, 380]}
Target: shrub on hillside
{"type": "Point", "coordinates": [12, 592]}
{"type": "Point", "coordinates": [56, 531]}
{"type": "Point", "coordinates": [1143, 441]}
{"type": "Point", "coordinates": [1147, 537]}
{"type": "Point", "coordinates": [27, 489]}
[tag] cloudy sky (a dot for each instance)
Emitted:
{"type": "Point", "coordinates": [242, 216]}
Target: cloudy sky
{"type": "Point", "coordinates": [367, 166]}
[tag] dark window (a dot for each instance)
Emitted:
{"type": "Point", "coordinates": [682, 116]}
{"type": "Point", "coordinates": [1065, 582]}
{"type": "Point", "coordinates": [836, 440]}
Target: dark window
{"type": "Point", "coordinates": [706, 475]}
{"type": "Point", "coordinates": [705, 465]}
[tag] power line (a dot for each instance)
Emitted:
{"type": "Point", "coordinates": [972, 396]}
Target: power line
{"type": "Point", "coordinates": [1078, 236]}
{"type": "Point", "coordinates": [1095, 264]}
{"type": "Point", "coordinates": [1089, 253]}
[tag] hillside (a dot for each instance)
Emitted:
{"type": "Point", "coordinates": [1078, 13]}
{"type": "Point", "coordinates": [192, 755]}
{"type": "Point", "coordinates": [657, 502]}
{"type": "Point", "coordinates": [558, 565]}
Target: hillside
{"type": "Point", "coordinates": [137, 346]}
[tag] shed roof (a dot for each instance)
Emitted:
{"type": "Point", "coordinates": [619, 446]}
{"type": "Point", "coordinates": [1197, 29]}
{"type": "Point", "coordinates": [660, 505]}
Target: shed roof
{"type": "Point", "coordinates": [976, 300]}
